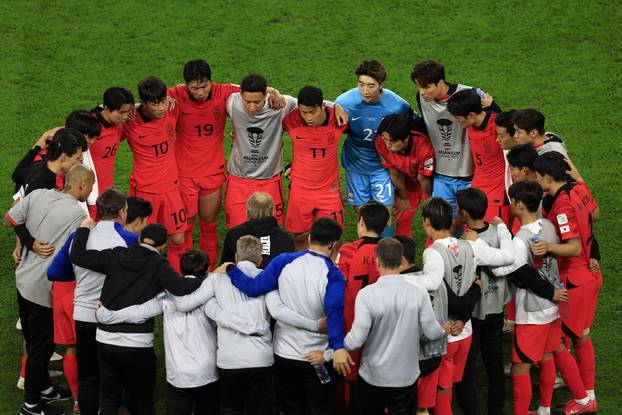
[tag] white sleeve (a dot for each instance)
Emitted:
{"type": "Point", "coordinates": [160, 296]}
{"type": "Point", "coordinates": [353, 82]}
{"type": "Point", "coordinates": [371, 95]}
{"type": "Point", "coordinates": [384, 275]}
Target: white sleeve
{"type": "Point", "coordinates": [487, 255]}
{"type": "Point", "coordinates": [290, 104]}
{"type": "Point", "coordinates": [521, 253]}
{"type": "Point", "coordinates": [282, 312]}
{"type": "Point", "coordinates": [427, 320]}
{"type": "Point", "coordinates": [229, 104]}
{"type": "Point", "coordinates": [135, 314]}
{"type": "Point", "coordinates": [433, 270]}
{"type": "Point", "coordinates": [196, 298]}
{"type": "Point", "coordinates": [359, 331]}
{"type": "Point", "coordinates": [235, 322]}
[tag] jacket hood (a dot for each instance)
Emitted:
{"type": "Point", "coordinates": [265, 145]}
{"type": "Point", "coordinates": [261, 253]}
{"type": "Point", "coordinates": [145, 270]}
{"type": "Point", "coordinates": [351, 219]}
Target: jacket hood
{"type": "Point", "coordinates": [264, 226]}
{"type": "Point", "coordinates": [135, 257]}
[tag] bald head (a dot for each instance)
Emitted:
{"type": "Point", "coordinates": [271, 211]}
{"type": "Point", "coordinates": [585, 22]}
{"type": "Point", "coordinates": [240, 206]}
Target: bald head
{"type": "Point", "coordinates": [79, 182]}
{"type": "Point", "coordinates": [259, 205]}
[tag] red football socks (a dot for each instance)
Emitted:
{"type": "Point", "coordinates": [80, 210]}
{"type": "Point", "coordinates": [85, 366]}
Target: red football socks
{"type": "Point", "coordinates": [586, 362]}
{"type": "Point", "coordinates": [570, 372]}
{"type": "Point", "coordinates": [209, 242]}
{"type": "Point", "coordinates": [547, 382]}
{"type": "Point", "coordinates": [521, 385]}
{"type": "Point", "coordinates": [70, 368]}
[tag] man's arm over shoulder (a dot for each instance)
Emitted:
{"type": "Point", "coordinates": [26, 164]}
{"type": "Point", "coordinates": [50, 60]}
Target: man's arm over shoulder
{"type": "Point", "coordinates": [197, 298]}
{"type": "Point", "coordinates": [61, 268]}
{"type": "Point", "coordinates": [334, 305]}
{"type": "Point", "coordinates": [264, 282]}
{"type": "Point", "coordinates": [99, 261]}
{"type": "Point", "coordinates": [171, 281]}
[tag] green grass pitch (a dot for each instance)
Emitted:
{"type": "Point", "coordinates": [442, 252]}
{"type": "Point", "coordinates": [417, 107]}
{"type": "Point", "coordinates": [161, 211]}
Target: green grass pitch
{"type": "Point", "coordinates": [563, 57]}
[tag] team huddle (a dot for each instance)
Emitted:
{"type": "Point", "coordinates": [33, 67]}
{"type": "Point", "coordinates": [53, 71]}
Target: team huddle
{"type": "Point", "coordinates": [293, 316]}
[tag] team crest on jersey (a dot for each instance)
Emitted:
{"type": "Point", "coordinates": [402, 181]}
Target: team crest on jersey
{"type": "Point", "coordinates": [564, 229]}
{"type": "Point", "coordinates": [255, 135]}
{"type": "Point", "coordinates": [217, 112]}
{"type": "Point", "coordinates": [169, 130]}
{"type": "Point", "coordinates": [444, 126]}
{"type": "Point", "coordinates": [562, 219]}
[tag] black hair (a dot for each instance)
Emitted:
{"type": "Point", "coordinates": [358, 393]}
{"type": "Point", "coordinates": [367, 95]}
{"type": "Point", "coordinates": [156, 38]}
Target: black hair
{"type": "Point", "coordinates": [439, 212]}
{"type": "Point", "coordinates": [137, 208]}
{"type": "Point", "coordinates": [428, 72]}
{"type": "Point", "coordinates": [375, 216]}
{"type": "Point", "coordinates": [504, 119]}
{"type": "Point", "coordinates": [522, 156]}
{"type": "Point", "coordinates": [389, 253]}
{"type": "Point", "coordinates": [325, 231]}
{"type": "Point", "coordinates": [115, 97]}
{"type": "Point", "coordinates": [197, 70]}
{"type": "Point", "coordinates": [110, 203]}
{"type": "Point", "coordinates": [409, 247]}
{"type": "Point", "coordinates": [529, 119]}
{"type": "Point", "coordinates": [373, 69]}
{"type": "Point", "coordinates": [152, 89]}
{"type": "Point", "coordinates": [84, 122]}
{"type": "Point", "coordinates": [65, 141]}
{"type": "Point", "coordinates": [552, 164]}
{"type": "Point", "coordinates": [473, 201]}
{"type": "Point", "coordinates": [464, 102]}
{"type": "Point", "coordinates": [396, 125]}
{"type": "Point", "coordinates": [310, 96]}
{"type": "Point", "coordinates": [527, 192]}
{"type": "Point", "coordinates": [254, 83]}
{"type": "Point", "coordinates": [194, 262]}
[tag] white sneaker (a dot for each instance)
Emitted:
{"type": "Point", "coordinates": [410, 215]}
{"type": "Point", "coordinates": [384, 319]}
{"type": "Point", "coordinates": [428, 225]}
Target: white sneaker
{"type": "Point", "coordinates": [559, 381]}
{"type": "Point", "coordinates": [20, 383]}
{"type": "Point", "coordinates": [56, 357]}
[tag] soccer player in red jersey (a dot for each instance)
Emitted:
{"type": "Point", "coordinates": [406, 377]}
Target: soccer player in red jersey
{"type": "Point", "coordinates": [572, 209]}
{"type": "Point", "coordinates": [357, 262]}
{"type": "Point", "coordinates": [151, 137]}
{"type": "Point", "coordinates": [405, 150]}
{"type": "Point", "coordinates": [118, 105]}
{"type": "Point", "coordinates": [199, 149]}
{"type": "Point", "coordinates": [315, 190]}
{"type": "Point", "coordinates": [489, 172]}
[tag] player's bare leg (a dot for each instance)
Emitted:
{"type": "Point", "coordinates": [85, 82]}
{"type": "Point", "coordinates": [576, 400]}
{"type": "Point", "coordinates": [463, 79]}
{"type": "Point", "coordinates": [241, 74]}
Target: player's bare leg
{"type": "Point", "coordinates": [209, 206]}
{"type": "Point", "coordinates": [176, 247]}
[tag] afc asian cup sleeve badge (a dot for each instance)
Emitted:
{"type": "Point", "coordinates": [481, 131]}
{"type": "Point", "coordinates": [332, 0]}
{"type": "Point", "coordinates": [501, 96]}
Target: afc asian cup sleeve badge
{"type": "Point", "coordinates": [562, 219]}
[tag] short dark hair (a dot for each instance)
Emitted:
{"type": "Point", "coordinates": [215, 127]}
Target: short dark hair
{"type": "Point", "coordinates": [464, 102]}
{"type": "Point", "coordinates": [375, 216]}
{"type": "Point", "coordinates": [194, 262]}
{"type": "Point", "coordinates": [396, 125]}
{"type": "Point", "coordinates": [197, 70]}
{"type": "Point", "coordinates": [310, 96]}
{"type": "Point", "coordinates": [137, 208]}
{"type": "Point", "coordinates": [151, 89]}
{"type": "Point", "coordinates": [110, 203]}
{"type": "Point", "coordinates": [504, 119]}
{"type": "Point", "coordinates": [527, 192]}
{"type": "Point", "coordinates": [409, 247]}
{"type": "Point", "coordinates": [389, 253]}
{"type": "Point", "coordinates": [373, 69]}
{"type": "Point", "coordinates": [65, 141]}
{"type": "Point", "coordinates": [552, 164]}
{"type": "Point", "coordinates": [83, 121]}
{"type": "Point", "coordinates": [439, 212]}
{"type": "Point", "coordinates": [529, 119]}
{"type": "Point", "coordinates": [428, 72]}
{"type": "Point", "coordinates": [254, 83]}
{"type": "Point", "coordinates": [325, 231]}
{"type": "Point", "coordinates": [473, 201]}
{"type": "Point", "coordinates": [115, 97]}
{"type": "Point", "coordinates": [522, 156]}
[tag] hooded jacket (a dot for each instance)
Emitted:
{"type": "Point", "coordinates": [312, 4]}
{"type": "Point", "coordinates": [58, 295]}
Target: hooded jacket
{"type": "Point", "coordinates": [274, 240]}
{"type": "Point", "coordinates": [134, 275]}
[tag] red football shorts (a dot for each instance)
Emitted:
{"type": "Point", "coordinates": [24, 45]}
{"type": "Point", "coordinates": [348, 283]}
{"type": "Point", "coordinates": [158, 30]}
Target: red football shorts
{"type": "Point", "coordinates": [304, 206]}
{"type": "Point", "coordinates": [426, 389]}
{"type": "Point", "coordinates": [532, 341]}
{"type": "Point", "coordinates": [168, 209]}
{"type": "Point", "coordinates": [62, 310]}
{"type": "Point", "coordinates": [579, 313]}
{"type": "Point", "coordinates": [192, 188]}
{"type": "Point", "coordinates": [503, 212]}
{"type": "Point", "coordinates": [240, 189]}
{"type": "Point", "coordinates": [452, 363]}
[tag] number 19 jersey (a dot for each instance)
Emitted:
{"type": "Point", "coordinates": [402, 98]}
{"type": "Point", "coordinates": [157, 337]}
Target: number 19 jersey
{"type": "Point", "coordinates": [359, 153]}
{"type": "Point", "coordinates": [152, 144]}
{"type": "Point", "coordinates": [199, 147]}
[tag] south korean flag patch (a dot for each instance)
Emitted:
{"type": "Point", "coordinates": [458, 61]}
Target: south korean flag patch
{"type": "Point", "coordinates": [562, 219]}
{"type": "Point", "coordinates": [564, 229]}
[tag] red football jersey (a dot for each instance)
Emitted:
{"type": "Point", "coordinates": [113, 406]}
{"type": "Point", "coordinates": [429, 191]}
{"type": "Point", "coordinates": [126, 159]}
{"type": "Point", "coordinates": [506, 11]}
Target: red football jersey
{"type": "Point", "coordinates": [153, 146]}
{"type": "Point", "coordinates": [489, 174]}
{"type": "Point", "coordinates": [315, 164]}
{"type": "Point", "coordinates": [199, 146]}
{"type": "Point", "coordinates": [357, 263]}
{"type": "Point", "coordinates": [571, 211]}
{"type": "Point", "coordinates": [104, 151]}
